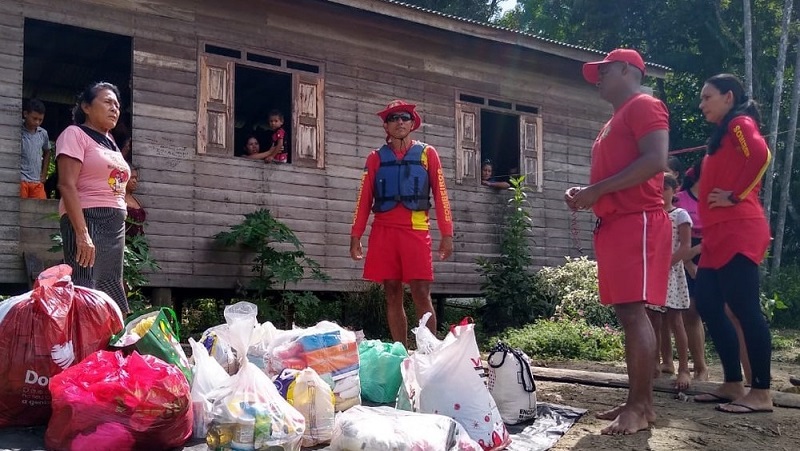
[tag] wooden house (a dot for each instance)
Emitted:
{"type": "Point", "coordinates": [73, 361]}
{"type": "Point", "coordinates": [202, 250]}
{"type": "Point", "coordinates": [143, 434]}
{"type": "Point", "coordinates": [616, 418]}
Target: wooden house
{"type": "Point", "coordinates": [198, 75]}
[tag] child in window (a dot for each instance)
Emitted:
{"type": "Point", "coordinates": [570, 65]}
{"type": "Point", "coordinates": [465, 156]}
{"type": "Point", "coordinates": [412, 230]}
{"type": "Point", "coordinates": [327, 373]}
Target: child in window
{"type": "Point", "coordinates": [276, 153]}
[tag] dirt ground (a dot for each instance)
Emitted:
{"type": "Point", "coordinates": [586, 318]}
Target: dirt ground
{"type": "Point", "coordinates": [681, 425]}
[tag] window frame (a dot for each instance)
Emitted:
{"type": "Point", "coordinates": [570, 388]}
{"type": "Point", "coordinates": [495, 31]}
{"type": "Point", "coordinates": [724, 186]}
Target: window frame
{"type": "Point", "coordinates": [531, 161]}
{"type": "Point", "coordinates": [298, 77]}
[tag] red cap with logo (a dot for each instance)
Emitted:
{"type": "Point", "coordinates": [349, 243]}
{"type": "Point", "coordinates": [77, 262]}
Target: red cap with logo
{"type": "Point", "coordinates": [591, 71]}
{"type": "Point", "coordinates": [401, 106]}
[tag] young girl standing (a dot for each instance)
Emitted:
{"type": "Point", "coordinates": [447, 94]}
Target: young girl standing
{"type": "Point", "coordinates": [677, 289]}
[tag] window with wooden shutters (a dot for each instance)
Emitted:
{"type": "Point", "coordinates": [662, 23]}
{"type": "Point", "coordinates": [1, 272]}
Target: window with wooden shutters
{"type": "Point", "coordinates": [215, 109]}
{"type": "Point", "coordinates": [308, 121]}
{"type": "Point", "coordinates": [468, 135]}
{"type": "Point", "coordinates": [530, 155]}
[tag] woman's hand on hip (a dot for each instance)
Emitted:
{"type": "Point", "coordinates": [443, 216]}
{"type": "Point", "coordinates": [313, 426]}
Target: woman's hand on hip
{"type": "Point", "coordinates": [720, 198]}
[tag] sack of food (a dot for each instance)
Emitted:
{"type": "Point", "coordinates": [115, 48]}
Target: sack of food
{"type": "Point", "coordinates": [313, 398]}
{"type": "Point", "coordinates": [42, 333]}
{"type": "Point", "coordinates": [446, 377]}
{"type": "Point", "coordinates": [207, 376]}
{"type": "Point", "coordinates": [155, 332]}
{"type": "Point", "coordinates": [379, 369]}
{"type": "Point", "coordinates": [511, 383]}
{"type": "Point", "coordinates": [248, 412]}
{"type": "Point", "coordinates": [387, 429]}
{"type": "Point", "coordinates": [110, 401]}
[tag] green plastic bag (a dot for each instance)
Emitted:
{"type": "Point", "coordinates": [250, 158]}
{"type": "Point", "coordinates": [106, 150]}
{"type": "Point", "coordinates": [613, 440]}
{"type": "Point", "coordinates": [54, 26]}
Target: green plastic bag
{"type": "Point", "coordinates": [160, 339]}
{"type": "Point", "coordinates": [379, 370]}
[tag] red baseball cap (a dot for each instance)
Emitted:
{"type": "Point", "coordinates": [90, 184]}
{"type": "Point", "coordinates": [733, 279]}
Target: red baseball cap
{"type": "Point", "coordinates": [591, 71]}
{"type": "Point", "coordinates": [401, 106]}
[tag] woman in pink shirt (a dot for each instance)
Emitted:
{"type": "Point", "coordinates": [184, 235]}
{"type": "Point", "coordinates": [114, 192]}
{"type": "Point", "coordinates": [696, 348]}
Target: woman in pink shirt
{"type": "Point", "coordinates": [92, 179]}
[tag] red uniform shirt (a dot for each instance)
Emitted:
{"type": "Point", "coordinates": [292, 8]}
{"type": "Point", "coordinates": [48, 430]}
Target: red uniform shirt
{"type": "Point", "coordinates": [616, 147]}
{"type": "Point", "coordinates": [738, 166]}
{"type": "Point", "coordinates": [400, 216]}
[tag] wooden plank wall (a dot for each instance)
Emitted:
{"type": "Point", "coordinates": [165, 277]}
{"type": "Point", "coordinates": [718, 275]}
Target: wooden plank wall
{"type": "Point", "coordinates": [368, 61]}
{"type": "Point", "coordinates": [11, 263]}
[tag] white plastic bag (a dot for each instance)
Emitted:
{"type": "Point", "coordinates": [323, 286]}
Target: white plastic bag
{"type": "Point", "coordinates": [248, 412]}
{"type": "Point", "coordinates": [208, 376]}
{"type": "Point", "coordinates": [387, 429]}
{"type": "Point", "coordinates": [447, 378]}
{"type": "Point", "coordinates": [511, 384]}
{"type": "Point", "coordinates": [327, 348]}
{"type": "Point", "coordinates": [313, 398]}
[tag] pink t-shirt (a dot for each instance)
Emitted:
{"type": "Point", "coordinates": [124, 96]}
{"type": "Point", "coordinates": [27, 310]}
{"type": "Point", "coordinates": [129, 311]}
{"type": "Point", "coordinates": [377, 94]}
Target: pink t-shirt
{"type": "Point", "coordinates": [685, 200]}
{"type": "Point", "coordinates": [104, 174]}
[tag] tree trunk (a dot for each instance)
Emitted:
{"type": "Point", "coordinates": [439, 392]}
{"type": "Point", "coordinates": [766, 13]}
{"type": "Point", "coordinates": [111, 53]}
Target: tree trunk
{"type": "Point", "coordinates": [776, 106]}
{"type": "Point", "coordinates": [748, 49]}
{"type": "Point", "coordinates": [786, 170]}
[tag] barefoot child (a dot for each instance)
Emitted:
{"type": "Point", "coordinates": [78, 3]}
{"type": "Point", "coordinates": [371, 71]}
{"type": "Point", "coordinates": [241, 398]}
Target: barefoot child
{"type": "Point", "coordinates": [677, 291]}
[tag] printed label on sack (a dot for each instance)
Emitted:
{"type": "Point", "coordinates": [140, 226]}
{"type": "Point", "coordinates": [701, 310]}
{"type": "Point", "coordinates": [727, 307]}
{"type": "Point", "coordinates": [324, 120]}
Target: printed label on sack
{"type": "Point", "coordinates": [63, 355]}
{"type": "Point", "coordinates": [35, 392]}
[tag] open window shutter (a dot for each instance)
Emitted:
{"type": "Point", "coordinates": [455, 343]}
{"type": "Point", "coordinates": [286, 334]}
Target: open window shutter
{"type": "Point", "coordinates": [215, 111]}
{"type": "Point", "coordinates": [308, 122]}
{"type": "Point", "coordinates": [468, 134]}
{"type": "Point", "coordinates": [530, 146]}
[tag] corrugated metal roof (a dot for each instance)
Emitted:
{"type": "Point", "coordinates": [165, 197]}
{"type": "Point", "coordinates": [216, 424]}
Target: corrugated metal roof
{"type": "Point", "coordinates": [509, 30]}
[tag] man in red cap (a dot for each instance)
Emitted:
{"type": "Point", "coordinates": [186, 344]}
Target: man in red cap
{"type": "Point", "coordinates": [396, 185]}
{"type": "Point", "coordinates": [633, 237]}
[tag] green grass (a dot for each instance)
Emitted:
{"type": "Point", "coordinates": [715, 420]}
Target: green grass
{"type": "Point", "coordinates": [565, 340]}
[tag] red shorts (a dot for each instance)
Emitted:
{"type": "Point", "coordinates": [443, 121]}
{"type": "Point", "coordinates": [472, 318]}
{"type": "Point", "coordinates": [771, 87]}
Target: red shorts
{"type": "Point", "coordinates": [633, 256]}
{"type": "Point", "coordinates": [395, 253]}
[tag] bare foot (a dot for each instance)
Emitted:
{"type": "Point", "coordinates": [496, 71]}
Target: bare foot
{"type": "Point", "coordinates": [700, 374]}
{"type": "Point", "coordinates": [628, 422]}
{"type": "Point", "coordinates": [616, 411]}
{"type": "Point", "coordinates": [683, 380]}
{"type": "Point", "coordinates": [667, 368]}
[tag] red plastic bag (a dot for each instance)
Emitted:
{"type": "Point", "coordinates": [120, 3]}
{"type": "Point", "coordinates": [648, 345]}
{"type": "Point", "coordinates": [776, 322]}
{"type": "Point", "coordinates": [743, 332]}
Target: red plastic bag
{"type": "Point", "coordinates": [43, 332]}
{"type": "Point", "coordinates": [117, 402]}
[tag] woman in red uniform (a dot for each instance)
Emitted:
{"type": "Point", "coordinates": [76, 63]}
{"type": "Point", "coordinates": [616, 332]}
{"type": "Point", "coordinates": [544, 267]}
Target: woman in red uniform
{"type": "Point", "coordinates": [735, 240]}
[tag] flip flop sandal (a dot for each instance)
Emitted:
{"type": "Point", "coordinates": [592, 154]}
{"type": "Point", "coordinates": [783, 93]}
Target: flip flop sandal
{"type": "Point", "coordinates": [713, 399]}
{"type": "Point", "coordinates": [748, 409]}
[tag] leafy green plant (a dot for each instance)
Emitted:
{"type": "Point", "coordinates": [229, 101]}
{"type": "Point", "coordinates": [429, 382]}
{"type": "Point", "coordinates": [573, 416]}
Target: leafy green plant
{"type": "Point", "coordinates": [274, 266]}
{"type": "Point", "coordinates": [574, 288]}
{"type": "Point", "coordinates": [560, 340]}
{"type": "Point", "coordinates": [198, 315]}
{"type": "Point", "coordinates": [782, 287]}
{"type": "Point", "coordinates": [514, 295]}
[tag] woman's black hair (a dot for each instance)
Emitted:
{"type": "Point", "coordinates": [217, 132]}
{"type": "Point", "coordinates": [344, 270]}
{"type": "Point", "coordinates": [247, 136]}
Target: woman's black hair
{"type": "Point", "coordinates": [742, 106]}
{"type": "Point", "coordinates": [87, 96]}
{"type": "Point", "coordinates": [692, 175]}
{"type": "Point", "coordinates": [485, 162]}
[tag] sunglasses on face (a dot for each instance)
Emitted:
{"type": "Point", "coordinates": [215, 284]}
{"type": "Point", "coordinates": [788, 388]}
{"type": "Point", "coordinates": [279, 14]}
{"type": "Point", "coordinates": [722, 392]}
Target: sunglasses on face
{"type": "Point", "coordinates": [405, 117]}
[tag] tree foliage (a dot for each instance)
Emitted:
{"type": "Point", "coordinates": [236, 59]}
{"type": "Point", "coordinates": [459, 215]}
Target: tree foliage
{"type": "Point", "coordinates": [695, 38]}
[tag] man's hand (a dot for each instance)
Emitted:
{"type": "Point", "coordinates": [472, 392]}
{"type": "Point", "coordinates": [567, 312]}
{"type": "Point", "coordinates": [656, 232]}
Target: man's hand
{"type": "Point", "coordinates": [719, 198]}
{"type": "Point", "coordinates": [446, 248]}
{"type": "Point", "coordinates": [569, 197]}
{"type": "Point", "coordinates": [585, 198]}
{"type": "Point", "coordinates": [356, 252]}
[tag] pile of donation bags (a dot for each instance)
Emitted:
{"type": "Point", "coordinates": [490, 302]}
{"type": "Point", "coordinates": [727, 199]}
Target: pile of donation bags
{"type": "Point", "coordinates": [102, 384]}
